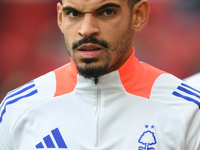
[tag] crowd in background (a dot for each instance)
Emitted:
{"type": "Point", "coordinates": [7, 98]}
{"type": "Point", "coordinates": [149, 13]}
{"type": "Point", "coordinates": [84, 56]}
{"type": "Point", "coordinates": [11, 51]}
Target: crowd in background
{"type": "Point", "coordinates": [31, 43]}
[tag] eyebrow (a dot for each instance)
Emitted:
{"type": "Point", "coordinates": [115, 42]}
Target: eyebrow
{"type": "Point", "coordinates": [108, 5]}
{"type": "Point", "coordinates": [69, 8]}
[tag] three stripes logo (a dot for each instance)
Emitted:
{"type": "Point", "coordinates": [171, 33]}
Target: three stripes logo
{"type": "Point", "coordinates": [188, 93]}
{"type": "Point", "coordinates": [53, 140]}
{"type": "Point", "coordinates": [16, 95]}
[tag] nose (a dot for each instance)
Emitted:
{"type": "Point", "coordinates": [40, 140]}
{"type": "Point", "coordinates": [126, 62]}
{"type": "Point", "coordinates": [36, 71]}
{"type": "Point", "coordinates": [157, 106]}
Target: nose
{"type": "Point", "coordinates": [88, 26]}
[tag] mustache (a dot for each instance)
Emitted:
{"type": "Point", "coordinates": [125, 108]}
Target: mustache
{"type": "Point", "coordinates": [92, 40]}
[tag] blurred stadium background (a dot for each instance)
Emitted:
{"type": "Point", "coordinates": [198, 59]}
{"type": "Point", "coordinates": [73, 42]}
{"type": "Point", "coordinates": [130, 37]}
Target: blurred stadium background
{"type": "Point", "coordinates": [31, 43]}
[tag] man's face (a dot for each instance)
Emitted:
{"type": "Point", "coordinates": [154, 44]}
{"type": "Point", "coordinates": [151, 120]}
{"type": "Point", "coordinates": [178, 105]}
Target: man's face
{"type": "Point", "coordinates": [98, 34]}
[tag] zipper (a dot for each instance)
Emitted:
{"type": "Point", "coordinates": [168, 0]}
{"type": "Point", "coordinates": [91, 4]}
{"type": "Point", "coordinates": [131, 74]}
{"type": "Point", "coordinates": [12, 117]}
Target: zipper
{"type": "Point", "coordinates": [97, 116]}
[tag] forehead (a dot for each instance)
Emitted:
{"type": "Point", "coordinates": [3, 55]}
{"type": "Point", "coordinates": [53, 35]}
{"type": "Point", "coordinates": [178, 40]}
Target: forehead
{"type": "Point", "coordinates": [89, 5]}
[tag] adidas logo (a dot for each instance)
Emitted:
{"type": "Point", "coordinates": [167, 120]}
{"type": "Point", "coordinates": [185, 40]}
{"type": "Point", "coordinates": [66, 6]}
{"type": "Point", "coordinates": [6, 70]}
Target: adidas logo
{"type": "Point", "coordinates": [53, 140]}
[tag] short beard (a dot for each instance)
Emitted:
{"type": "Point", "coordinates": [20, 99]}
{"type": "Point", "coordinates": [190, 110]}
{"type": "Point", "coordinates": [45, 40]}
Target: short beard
{"type": "Point", "coordinates": [90, 70]}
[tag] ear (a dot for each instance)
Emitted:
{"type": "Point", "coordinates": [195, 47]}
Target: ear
{"type": "Point", "coordinates": [59, 16]}
{"type": "Point", "coordinates": [140, 15]}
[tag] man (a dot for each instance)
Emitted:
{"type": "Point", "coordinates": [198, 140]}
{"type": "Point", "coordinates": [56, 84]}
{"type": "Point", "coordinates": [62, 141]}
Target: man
{"type": "Point", "coordinates": [105, 99]}
{"type": "Point", "coordinates": [194, 80]}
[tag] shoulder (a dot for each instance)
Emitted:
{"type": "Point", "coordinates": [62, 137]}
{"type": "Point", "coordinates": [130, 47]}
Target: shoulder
{"type": "Point", "coordinates": [184, 100]}
{"type": "Point", "coordinates": [194, 80]}
{"type": "Point", "coordinates": [36, 91]}
{"type": "Point", "coordinates": [22, 98]}
{"type": "Point", "coordinates": [178, 95]}
{"type": "Point", "coordinates": [168, 87]}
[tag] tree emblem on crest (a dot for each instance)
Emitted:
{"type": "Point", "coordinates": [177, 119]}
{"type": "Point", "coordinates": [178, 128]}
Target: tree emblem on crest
{"type": "Point", "coordinates": [147, 139]}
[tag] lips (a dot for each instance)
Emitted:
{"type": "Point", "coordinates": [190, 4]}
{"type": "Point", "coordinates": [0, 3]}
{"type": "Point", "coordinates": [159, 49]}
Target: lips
{"type": "Point", "coordinates": [89, 47]}
{"type": "Point", "coordinates": [89, 51]}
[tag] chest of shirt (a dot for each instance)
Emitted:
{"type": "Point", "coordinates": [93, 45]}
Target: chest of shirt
{"type": "Point", "coordinates": [72, 122]}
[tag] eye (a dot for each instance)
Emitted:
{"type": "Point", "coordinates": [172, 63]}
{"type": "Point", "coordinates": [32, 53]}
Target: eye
{"type": "Point", "coordinates": [73, 14]}
{"type": "Point", "coordinates": [108, 12]}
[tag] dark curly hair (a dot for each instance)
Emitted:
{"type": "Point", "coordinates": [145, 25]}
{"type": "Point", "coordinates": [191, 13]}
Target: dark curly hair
{"type": "Point", "coordinates": [131, 3]}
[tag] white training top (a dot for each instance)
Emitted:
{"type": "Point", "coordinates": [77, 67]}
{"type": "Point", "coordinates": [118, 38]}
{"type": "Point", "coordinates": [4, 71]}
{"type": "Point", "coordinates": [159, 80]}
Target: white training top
{"type": "Point", "coordinates": [137, 107]}
{"type": "Point", "coordinates": [194, 80]}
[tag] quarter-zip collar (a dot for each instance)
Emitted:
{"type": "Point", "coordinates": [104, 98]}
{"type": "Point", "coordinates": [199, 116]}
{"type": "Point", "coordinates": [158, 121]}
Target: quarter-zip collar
{"type": "Point", "coordinates": [132, 76]}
